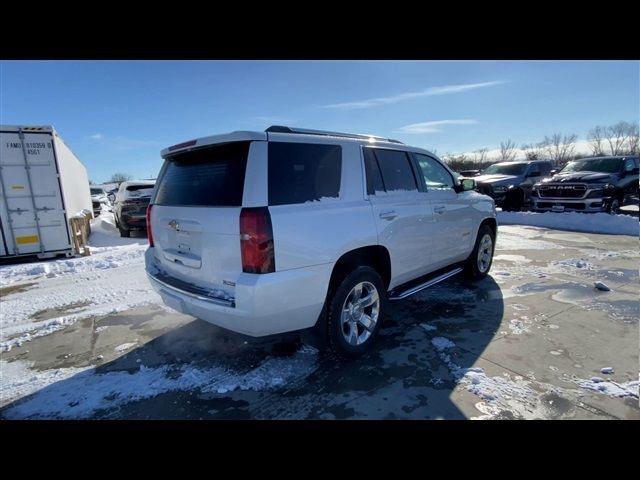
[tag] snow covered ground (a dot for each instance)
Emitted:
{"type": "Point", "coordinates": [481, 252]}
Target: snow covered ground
{"type": "Point", "coordinates": [574, 221]}
{"type": "Point", "coordinates": [80, 392]}
{"type": "Point", "coordinates": [60, 292]}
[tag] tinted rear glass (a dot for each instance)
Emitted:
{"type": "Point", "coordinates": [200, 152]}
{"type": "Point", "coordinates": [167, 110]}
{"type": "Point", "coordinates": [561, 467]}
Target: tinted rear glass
{"type": "Point", "coordinates": [302, 172]}
{"type": "Point", "coordinates": [374, 178]}
{"type": "Point", "coordinates": [133, 188]}
{"type": "Point", "coordinates": [208, 177]}
{"type": "Point", "coordinates": [396, 170]}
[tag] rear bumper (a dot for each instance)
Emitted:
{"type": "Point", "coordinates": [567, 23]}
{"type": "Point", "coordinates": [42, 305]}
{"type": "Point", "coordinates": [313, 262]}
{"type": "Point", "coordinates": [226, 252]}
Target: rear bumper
{"type": "Point", "coordinates": [133, 221]}
{"type": "Point", "coordinates": [571, 205]}
{"type": "Point", "coordinates": [265, 304]}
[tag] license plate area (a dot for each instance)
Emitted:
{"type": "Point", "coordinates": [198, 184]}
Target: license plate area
{"type": "Point", "coordinates": [557, 208]}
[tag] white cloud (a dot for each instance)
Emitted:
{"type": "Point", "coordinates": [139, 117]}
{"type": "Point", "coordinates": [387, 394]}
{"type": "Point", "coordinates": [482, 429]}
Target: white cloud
{"type": "Point", "coordinates": [432, 127]}
{"type": "Point", "coordinates": [96, 136]}
{"type": "Point", "coordinates": [431, 91]}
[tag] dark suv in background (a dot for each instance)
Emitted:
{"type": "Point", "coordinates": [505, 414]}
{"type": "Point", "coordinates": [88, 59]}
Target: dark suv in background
{"type": "Point", "coordinates": [510, 183]}
{"type": "Point", "coordinates": [130, 207]}
{"type": "Point", "coordinates": [599, 184]}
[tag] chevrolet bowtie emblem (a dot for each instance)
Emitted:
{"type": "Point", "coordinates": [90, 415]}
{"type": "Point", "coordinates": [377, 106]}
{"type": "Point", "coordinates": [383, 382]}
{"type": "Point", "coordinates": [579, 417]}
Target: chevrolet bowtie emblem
{"type": "Point", "coordinates": [175, 225]}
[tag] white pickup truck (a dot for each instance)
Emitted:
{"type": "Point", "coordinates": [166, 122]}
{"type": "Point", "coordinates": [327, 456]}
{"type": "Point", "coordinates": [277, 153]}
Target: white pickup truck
{"type": "Point", "coordinates": [290, 229]}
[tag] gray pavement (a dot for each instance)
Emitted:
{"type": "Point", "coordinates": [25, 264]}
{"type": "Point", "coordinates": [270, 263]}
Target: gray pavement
{"type": "Point", "coordinates": [523, 343]}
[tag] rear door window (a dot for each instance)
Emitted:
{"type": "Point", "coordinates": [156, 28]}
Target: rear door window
{"type": "Point", "coordinates": [395, 169]}
{"type": "Point", "coordinates": [207, 177]}
{"type": "Point", "coordinates": [374, 177]}
{"type": "Point", "coordinates": [303, 172]}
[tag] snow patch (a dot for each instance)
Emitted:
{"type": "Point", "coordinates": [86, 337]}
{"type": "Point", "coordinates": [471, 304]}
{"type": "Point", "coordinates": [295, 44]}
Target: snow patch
{"type": "Point", "coordinates": [428, 328]}
{"type": "Point", "coordinates": [574, 221]}
{"type": "Point", "coordinates": [521, 325]}
{"type": "Point", "coordinates": [112, 279]}
{"type": "Point", "coordinates": [612, 389]}
{"type": "Point", "coordinates": [125, 346]}
{"type": "Point", "coordinates": [79, 393]}
{"type": "Point", "coordinates": [442, 343]}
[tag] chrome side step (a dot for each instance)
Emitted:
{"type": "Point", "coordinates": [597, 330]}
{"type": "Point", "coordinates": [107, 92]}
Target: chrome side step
{"type": "Point", "coordinates": [422, 286]}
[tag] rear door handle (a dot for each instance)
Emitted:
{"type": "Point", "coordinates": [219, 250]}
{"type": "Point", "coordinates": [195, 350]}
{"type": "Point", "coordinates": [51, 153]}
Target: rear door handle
{"type": "Point", "coordinates": [390, 215]}
{"type": "Point", "coordinates": [439, 209]}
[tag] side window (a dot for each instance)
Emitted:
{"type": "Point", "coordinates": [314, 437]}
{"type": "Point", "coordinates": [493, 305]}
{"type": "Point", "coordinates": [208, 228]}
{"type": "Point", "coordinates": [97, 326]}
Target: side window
{"type": "Point", "coordinates": [435, 175]}
{"type": "Point", "coordinates": [545, 169]}
{"type": "Point", "coordinates": [303, 172]}
{"type": "Point", "coordinates": [629, 165]}
{"type": "Point", "coordinates": [396, 170]}
{"type": "Point", "coordinates": [372, 171]}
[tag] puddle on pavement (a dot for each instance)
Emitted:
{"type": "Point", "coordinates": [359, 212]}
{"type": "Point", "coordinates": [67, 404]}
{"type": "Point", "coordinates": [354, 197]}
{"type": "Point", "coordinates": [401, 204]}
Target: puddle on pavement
{"type": "Point", "coordinates": [49, 313]}
{"type": "Point", "coordinates": [585, 296]}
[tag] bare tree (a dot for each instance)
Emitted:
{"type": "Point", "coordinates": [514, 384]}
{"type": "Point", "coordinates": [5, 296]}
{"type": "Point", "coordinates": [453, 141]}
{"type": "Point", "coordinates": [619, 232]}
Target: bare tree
{"type": "Point", "coordinates": [596, 137]}
{"type": "Point", "coordinates": [456, 162]}
{"type": "Point", "coordinates": [507, 151]}
{"type": "Point", "coordinates": [532, 151]}
{"type": "Point", "coordinates": [480, 157]}
{"type": "Point", "coordinates": [634, 139]}
{"type": "Point", "coordinates": [559, 147]}
{"type": "Point", "coordinates": [617, 136]}
{"type": "Point", "coordinates": [120, 177]}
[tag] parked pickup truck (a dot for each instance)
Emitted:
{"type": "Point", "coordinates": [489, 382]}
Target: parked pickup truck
{"type": "Point", "coordinates": [510, 183]}
{"type": "Point", "coordinates": [588, 185]}
{"type": "Point", "coordinates": [290, 229]}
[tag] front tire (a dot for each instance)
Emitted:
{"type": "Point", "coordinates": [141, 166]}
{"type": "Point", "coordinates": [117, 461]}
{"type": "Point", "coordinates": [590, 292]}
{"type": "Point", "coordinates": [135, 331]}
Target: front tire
{"type": "Point", "coordinates": [355, 312]}
{"type": "Point", "coordinates": [479, 262]}
{"type": "Point", "coordinates": [514, 201]}
{"type": "Point", "coordinates": [614, 206]}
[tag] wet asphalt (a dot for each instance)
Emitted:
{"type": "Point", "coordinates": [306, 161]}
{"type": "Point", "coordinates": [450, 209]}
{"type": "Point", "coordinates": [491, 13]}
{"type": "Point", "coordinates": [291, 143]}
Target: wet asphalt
{"type": "Point", "coordinates": [532, 332]}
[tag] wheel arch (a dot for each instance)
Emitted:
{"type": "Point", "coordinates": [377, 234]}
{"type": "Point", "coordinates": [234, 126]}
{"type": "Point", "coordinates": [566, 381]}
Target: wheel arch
{"type": "Point", "coordinates": [374, 256]}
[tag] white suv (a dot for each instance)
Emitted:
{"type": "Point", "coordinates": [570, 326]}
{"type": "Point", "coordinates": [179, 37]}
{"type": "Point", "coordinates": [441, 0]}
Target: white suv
{"type": "Point", "coordinates": [289, 229]}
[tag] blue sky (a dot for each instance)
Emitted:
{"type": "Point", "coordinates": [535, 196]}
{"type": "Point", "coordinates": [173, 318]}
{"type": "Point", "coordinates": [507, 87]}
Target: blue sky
{"type": "Point", "coordinates": [118, 115]}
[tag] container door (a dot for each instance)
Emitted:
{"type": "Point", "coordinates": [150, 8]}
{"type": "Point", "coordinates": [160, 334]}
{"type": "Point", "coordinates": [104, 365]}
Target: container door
{"type": "Point", "coordinates": [32, 210]}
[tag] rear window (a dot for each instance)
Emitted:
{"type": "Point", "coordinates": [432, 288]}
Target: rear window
{"type": "Point", "coordinates": [208, 177]}
{"type": "Point", "coordinates": [303, 172]}
{"type": "Point", "coordinates": [138, 191]}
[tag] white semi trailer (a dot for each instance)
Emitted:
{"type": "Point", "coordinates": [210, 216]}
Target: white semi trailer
{"type": "Point", "coordinates": [42, 185]}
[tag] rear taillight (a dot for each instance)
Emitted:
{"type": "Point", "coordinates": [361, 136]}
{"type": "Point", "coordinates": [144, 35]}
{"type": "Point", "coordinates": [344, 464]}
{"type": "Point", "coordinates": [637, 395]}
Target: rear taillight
{"type": "Point", "coordinates": [149, 231]}
{"type": "Point", "coordinates": [256, 241]}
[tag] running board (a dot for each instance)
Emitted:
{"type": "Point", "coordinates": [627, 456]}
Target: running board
{"type": "Point", "coordinates": [393, 295]}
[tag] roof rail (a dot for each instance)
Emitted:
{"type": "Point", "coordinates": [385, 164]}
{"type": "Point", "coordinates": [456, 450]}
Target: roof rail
{"type": "Point", "coordinates": [306, 131]}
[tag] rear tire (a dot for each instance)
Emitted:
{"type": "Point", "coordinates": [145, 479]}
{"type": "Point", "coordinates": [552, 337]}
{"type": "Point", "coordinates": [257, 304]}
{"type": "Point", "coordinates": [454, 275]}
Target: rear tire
{"type": "Point", "coordinates": [355, 313]}
{"type": "Point", "coordinates": [479, 262]}
{"type": "Point", "coordinates": [124, 232]}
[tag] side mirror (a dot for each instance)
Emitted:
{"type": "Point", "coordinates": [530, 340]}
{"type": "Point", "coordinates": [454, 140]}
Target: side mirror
{"type": "Point", "coordinates": [554, 171]}
{"type": "Point", "coordinates": [533, 174]}
{"type": "Point", "coordinates": [464, 185]}
{"type": "Point", "coordinates": [111, 197]}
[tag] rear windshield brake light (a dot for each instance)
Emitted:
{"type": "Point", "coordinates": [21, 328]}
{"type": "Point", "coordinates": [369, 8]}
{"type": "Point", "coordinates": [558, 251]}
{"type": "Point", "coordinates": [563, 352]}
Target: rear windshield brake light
{"type": "Point", "coordinates": [190, 143]}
